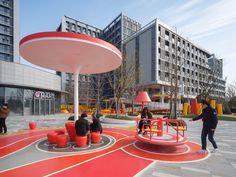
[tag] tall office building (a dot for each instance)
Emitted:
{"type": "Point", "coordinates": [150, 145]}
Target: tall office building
{"type": "Point", "coordinates": [165, 55]}
{"type": "Point", "coordinates": [161, 53]}
{"type": "Point", "coordinates": [9, 30]}
{"type": "Point", "coordinates": [115, 32]}
{"type": "Point", "coordinates": [27, 90]}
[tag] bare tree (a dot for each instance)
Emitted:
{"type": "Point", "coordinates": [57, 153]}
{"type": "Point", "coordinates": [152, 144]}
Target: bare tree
{"type": "Point", "coordinates": [207, 86]}
{"type": "Point", "coordinates": [231, 97]}
{"type": "Point", "coordinates": [122, 80]}
{"type": "Point", "coordinates": [231, 91]}
{"type": "Point", "coordinates": [69, 98]}
{"type": "Point", "coordinates": [99, 89]}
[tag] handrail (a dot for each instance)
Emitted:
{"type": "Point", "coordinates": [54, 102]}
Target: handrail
{"type": "Point", "coordinates": [154, 125]}
{"type": "Point", "coordinates": [168, 121]}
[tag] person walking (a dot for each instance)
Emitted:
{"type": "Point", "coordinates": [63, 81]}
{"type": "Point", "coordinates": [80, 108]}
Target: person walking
{"type": "Point", "coordinates": [210, 120]}
{"type": "Point", "coordinates": [4, 112]}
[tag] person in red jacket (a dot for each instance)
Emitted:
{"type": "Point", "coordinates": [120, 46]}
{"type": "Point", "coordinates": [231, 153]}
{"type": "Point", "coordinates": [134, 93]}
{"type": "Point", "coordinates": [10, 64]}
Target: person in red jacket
{"type": "Point", "coordinates": [209, 119]}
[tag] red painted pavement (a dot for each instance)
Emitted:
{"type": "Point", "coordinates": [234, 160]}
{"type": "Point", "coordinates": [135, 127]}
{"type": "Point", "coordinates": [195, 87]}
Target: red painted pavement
{"type": "Point", "coordinates": [192, 155]}
{"type": "Point", "coordinates": [115, 164]}
{"type": "Point", "coordinates": [19, 145]}
{"type": "Point", "coordinates": [9, 139]}
{"type": "Point", "coordinates": [44, 167]}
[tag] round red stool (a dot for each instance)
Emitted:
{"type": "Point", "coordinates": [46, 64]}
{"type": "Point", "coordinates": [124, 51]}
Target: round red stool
{"type": "Point", "coordinates": [61, 140]}
{"type": "Point", "coordinates": [70, 128]}
{"type": "Point", "coordinates": [95, 137]}
{"type": "Point", "coordinates": [32, 125]}
{"type": "Point", "coordinates": [52, 137]}
{"type": "Point", "coordinates": [81, 140]}
{"type": "Point", "coordinates": [60, 131]}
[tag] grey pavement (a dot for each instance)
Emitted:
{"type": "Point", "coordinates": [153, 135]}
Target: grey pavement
{"type": "Point", "coordinates": [220, 164]}
{"type": "Point", "coordinates": [18, 123]}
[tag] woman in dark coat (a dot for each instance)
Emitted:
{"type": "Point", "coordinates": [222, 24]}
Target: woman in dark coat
{"type": "Point", "coordinates": [145, 116]}
{"type": "Point", "coordinates": [96, 125]}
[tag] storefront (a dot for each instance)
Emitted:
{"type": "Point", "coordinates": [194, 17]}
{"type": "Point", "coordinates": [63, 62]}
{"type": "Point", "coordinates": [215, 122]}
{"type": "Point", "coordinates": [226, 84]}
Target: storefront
{"type": "Point", "coordinates": [24, 101]}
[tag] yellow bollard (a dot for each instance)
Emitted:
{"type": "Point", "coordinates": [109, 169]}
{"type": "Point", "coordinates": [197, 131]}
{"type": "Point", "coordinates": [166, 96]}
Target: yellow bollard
{"type": "Point", "coordinates": [185, 109]}
{"type": "Point", "coordinates": [199, 110]}
{"type": "Point", "coordinates": [213, 103]}
{"type": "Point", "coordinates": [219, 109]}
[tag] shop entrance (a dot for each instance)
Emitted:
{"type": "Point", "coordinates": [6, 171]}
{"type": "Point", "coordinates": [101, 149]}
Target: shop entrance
{"type": "Point", "coordinates": [44, 106]}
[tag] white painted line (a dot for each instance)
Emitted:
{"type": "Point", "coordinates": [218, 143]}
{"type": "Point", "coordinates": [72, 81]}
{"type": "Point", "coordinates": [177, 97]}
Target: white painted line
{"type": "Point", "coordinates": [208, 155]}
{"type": "Point", "coordinates": [159, 174]}
{"type": "Point", "coordinates": [227, 152]}
{"type": "Point", "coordinates": [196, 170]}
{"type": "Point", "coordinates": [145, 169]}
{"type": "Point", "coordinates": [110, 144]}
{"type": "Point", "coordinates": [21, 140]}
{"type": "Point", "coordinates": [188, 149]}
{"type": "Point", "coordinates": [233, 164]}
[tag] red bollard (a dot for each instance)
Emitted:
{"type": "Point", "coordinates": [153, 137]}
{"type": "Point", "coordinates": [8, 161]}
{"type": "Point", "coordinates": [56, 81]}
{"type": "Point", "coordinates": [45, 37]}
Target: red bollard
{"type": "Point", "coordinates": [32, 125]}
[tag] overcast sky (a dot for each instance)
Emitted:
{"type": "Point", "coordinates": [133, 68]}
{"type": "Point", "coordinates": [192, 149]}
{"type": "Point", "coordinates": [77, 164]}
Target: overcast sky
{"type": "Point", "coordinates": [209, 23]}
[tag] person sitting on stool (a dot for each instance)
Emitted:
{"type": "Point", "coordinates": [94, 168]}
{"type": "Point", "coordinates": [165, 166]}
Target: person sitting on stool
{"type": "Point", "coordinates": [96, 125]}
{"type": "Point", "coordinates": [145, 119]}
{"type": "Point", "coordinates": [82, 127]}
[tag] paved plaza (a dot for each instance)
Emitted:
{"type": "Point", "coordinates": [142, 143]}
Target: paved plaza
{"type": "Point", "coordinates": [220, 164]}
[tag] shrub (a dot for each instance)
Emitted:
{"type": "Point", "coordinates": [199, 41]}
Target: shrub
{"type": "Point", "coordinates": [118, 117]}
{"type": "Point", "coordinates": [132, 114]}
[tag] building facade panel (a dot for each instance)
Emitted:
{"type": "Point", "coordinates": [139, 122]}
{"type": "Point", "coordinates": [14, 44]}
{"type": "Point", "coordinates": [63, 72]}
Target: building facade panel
{"type": "Point", "coordinates": [145, 57]}
{"type": "Point", "coordinates": [22, 75]}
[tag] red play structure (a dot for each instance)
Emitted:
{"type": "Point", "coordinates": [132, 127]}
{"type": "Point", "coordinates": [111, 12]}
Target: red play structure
{"type": "Point", "coordinates": [154, 133]}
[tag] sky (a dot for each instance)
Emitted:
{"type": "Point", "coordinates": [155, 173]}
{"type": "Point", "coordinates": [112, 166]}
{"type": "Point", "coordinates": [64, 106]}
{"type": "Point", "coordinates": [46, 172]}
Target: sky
{"type": "Point", "coordinates": [210, 24]}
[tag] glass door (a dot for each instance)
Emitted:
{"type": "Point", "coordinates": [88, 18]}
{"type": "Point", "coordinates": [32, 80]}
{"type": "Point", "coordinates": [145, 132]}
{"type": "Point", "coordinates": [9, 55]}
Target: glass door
{"type": "Point", "coordinates": [36, 106]}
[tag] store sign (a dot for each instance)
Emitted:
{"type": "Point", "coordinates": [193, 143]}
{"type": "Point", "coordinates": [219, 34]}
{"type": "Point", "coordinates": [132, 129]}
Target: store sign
{"type": "Point", "coordinates": [46, 95]}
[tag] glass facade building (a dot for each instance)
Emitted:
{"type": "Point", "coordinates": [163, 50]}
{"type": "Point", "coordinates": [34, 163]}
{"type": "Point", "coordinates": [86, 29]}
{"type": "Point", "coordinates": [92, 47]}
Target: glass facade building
{"type": "Point", "coordinates": [24, 101]}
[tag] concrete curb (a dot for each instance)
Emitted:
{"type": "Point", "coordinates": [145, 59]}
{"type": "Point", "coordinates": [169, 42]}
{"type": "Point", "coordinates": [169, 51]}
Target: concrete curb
{"type": "Point", "coordinates": [115, 121]}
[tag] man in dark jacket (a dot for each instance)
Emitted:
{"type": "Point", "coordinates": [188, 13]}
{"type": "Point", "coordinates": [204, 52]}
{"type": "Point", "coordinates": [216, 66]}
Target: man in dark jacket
{"type": "Point", "coordinates": [209, 119]}
{"type": "Point", "coordinates": [82, 127]}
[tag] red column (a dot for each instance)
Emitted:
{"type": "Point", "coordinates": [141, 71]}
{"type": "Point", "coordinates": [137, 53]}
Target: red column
{"type": "Point", "coordinates": [194, 109]}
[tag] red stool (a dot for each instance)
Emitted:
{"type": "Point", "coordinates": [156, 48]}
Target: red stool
{"type": "Point", "coordinates": [32, 125]}
{"type": "Point", "coordinates": [62, 140]}
{"type": "Point", "coordinates": [81, 140]}
{"type": "Point", "coordinates": [60, 131]}
{"type": "Point", "coordinates": [95, 137]}
{"type": "Point", "coordinates": [52, 137]}
{"type": "Point", "coordinates": [70, 128]}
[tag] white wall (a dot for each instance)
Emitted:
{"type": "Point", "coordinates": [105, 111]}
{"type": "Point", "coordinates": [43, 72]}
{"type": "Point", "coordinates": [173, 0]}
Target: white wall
{"type": "Point", "coordinates": [21, 75]}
